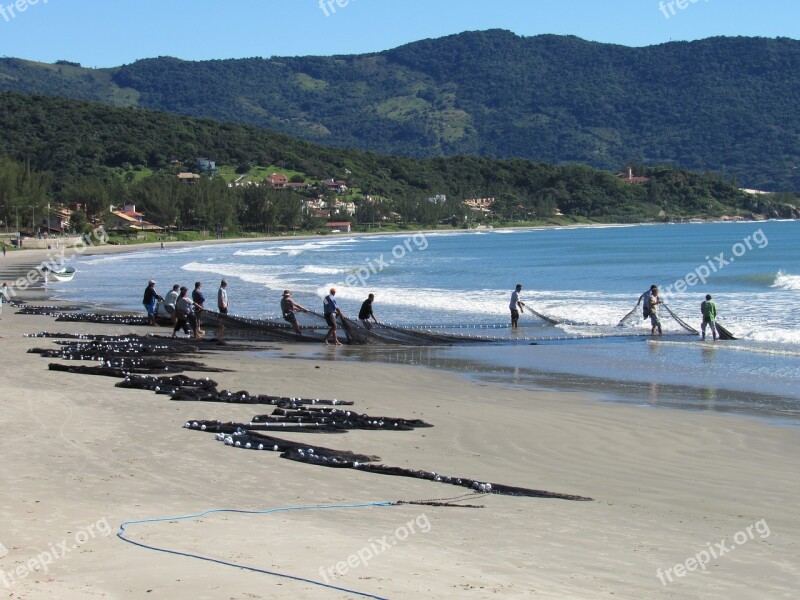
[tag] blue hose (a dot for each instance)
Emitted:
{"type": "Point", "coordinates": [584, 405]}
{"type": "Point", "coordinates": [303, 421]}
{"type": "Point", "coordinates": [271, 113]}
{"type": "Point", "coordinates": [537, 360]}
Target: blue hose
{"type": "Point", "coordinates": [122, 528]}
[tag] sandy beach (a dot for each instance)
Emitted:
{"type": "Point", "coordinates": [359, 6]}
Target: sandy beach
{"type": "Point", "coordinates": [686, 505]}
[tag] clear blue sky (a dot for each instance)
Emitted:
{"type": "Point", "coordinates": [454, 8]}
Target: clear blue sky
{"type": "Point", "coordinates": [104, 33]}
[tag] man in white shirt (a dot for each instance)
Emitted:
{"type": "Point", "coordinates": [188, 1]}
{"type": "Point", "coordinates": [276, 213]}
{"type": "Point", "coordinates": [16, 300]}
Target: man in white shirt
{"type": "Point", "coordinates": [222, 298]}
{"type": "Point", "coordinates": [516, 306]}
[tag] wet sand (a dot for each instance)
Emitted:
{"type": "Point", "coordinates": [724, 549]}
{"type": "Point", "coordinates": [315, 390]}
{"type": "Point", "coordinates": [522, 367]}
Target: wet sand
{"type": "Point", "coordinates": [80, 453]}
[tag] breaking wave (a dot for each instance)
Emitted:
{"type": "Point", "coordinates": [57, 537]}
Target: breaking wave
{"type": "Point", "coordinates": [784, 281]}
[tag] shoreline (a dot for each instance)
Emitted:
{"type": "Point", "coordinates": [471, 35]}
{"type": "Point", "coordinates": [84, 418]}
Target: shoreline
{"type": "Point", "coordinates": [275, 238]}
{"type": "Point", "coordinates": [664, 483]}
{"type": "Point", "coordinates": [670, 395]}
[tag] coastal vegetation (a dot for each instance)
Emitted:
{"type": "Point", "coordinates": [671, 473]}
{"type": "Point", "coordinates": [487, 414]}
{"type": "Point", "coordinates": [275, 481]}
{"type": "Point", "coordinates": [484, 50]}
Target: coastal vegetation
{"type": "Point", "coordinates": [68, 152]}
{"type": "Point", "coordinates": [725, 104]}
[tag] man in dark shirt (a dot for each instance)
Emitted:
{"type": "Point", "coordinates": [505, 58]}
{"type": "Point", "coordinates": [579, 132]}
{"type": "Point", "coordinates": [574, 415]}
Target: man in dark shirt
{"type": "Point", "coordinates": [150, 300]}
{"type": "Point", "coordinates": [366, 312]}
{"type": "Point", "coordinates": [198, 298]}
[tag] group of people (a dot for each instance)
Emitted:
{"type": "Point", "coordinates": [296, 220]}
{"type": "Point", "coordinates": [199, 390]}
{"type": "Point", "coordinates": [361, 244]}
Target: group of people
{"type": "Point", "coordinates": [651, 301]}
{"type": "Point", "coordinates": [185, 309]}
{"type": "Point", "coordinates": [330, 310]}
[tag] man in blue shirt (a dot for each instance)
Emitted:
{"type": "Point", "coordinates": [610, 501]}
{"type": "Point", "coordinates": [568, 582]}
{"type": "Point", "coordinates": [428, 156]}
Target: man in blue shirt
{"type": "Point", "coordinates": [330, 310]}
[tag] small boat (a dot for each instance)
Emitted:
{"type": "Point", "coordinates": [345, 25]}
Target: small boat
{"type": "Point", "coordinates": [65, 274]}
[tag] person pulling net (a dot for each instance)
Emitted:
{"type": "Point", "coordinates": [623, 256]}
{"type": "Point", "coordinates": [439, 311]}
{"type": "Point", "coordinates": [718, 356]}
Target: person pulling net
{"type": "Point", "coordinates": [651, 303]}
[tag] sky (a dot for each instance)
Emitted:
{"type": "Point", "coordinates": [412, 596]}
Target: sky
{"type": "Point", "coordinates": [107, 33]}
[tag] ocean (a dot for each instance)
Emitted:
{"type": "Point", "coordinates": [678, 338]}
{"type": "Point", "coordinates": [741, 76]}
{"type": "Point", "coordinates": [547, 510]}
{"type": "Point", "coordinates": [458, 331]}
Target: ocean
{"type": "Point", "coordinates": [587, 277]}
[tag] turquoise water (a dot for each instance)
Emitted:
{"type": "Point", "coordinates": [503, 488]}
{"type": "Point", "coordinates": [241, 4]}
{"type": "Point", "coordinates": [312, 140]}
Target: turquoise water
{"type": "Point", "coordinates": [590, 277]}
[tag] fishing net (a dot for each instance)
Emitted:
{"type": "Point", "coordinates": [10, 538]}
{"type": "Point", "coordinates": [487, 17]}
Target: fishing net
{"type": "Point", "coordinates": [343, 459]}
{"type": "Point", "coordinates": [313, 328]}
{"type": "Point", "coordinates": [634, 319]}
{"type": "Point", "coordinates": [723, 333]}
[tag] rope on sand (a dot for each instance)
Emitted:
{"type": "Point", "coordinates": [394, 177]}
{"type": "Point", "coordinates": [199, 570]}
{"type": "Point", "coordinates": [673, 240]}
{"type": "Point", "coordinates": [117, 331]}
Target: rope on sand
{"type": "Point", "coordinates": [123, 530]}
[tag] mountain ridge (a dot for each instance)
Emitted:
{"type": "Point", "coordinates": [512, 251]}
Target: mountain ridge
{"type": "Point", "coordinates": [727, 104]}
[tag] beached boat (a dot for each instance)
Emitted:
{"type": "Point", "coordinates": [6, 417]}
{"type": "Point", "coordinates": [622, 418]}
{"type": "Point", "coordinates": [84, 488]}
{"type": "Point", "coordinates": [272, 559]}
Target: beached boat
{"type": "Point", "coordinates": [65, 274]}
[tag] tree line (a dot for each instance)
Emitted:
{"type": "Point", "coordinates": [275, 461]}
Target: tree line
{"type": "Point", "coordinates": [76, 152]}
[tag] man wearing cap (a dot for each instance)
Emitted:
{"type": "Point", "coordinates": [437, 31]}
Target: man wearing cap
{"type": "Point", "coordinates": [709, 311]}
{"type": "Point", "coordinates": [150, 300]}
{"type": "Point", "coordinates": [288, 306]}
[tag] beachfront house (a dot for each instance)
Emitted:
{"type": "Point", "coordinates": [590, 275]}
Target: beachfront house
{"type": "Point", "coordinates": [338, 226]}
{"type": "Point", "coordinates": [57, 220]}
{"type": "Point", "coordinates": [128, 220]}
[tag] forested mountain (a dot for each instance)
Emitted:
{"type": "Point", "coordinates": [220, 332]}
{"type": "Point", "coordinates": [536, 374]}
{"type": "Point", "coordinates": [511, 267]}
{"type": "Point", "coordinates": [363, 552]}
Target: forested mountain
{"type": "Point", "coordinates": [730, 105]}
{"type": "Point", "coordinates": [73, 151]}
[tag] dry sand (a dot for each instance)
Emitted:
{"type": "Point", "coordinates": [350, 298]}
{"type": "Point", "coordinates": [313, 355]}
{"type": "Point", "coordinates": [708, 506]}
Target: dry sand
{"type": "Point", "coordinates": [78, 452]}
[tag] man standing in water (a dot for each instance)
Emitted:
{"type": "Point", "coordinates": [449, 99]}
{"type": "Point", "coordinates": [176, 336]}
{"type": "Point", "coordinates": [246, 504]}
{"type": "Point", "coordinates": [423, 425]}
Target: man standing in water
{"type": "Point", "coordinates": [709, 312]}
{"type": "Point", "coordinates": [654, 302]}
{"type": "Point", "coordinates": [644, 300]}
{"type": "Point", "coordinates": [516, 306]}
{"type": "Point", "coordinates": [288, 307]}
{"type": "Point", "coordinates": [366, 312]}
{"type": "Point", "coordinates": [331, 309]}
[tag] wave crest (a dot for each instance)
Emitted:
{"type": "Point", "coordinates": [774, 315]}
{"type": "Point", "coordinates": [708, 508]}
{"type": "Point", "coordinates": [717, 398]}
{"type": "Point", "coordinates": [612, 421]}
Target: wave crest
{"type": "Point", "coordinates": [784, 281]}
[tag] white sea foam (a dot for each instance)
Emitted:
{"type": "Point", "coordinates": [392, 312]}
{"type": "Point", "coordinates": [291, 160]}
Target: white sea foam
{"type": "Point", "coordinates": [784, 281]}
{"type": "Point", "coordinates": [258, 252]}
{"type": "Point", "coordinates": [123, 257]}
{"type": "Point", "coordinates": [297, 248]}
{"type": "Point", "coordinates": [600, 309]}
{"type": "Point", "coordinates": [734, 346]}
{"type": "Point", "coordinates": [315, 270]}
{"type": "Point", "coordinates": [270, 277]}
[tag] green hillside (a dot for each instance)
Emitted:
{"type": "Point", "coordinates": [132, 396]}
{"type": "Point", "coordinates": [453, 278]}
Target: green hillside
{"type": "Point", "coordinates": [69, 151]}
{"type": "Point", "coordinates": [730, 105]}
